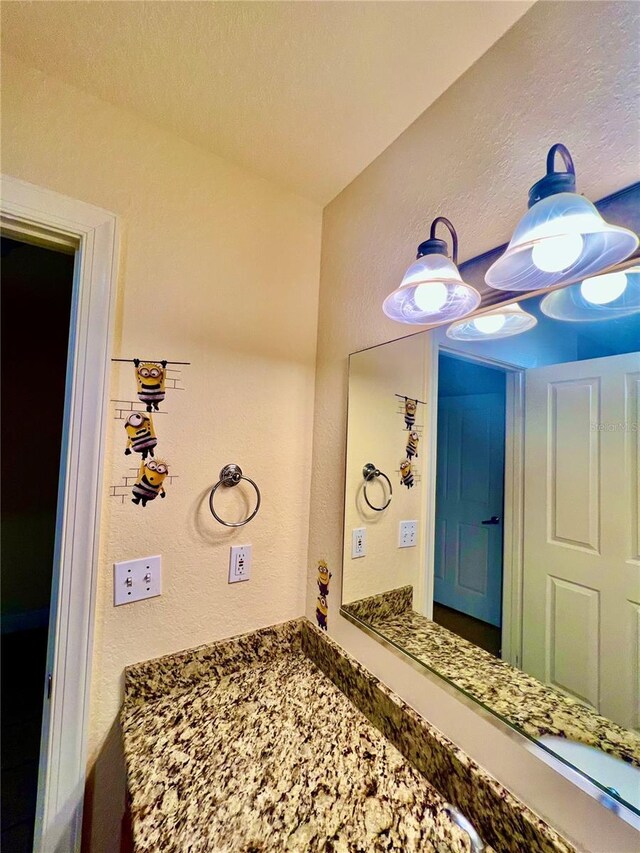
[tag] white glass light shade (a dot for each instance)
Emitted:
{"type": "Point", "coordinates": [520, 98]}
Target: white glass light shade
{"type": "Point", "coordinates": [602, 297]}
{"type": "Point", "coordinates": [561, 238]}
{"type": "Point", "coordinates": [501, 323]}
{"type": "Point", "coordinates": [431, 291]}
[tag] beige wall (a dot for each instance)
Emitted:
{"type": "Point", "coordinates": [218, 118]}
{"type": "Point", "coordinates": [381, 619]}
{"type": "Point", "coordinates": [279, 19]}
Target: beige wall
{"type": "Point", "coordinates": [565, 72]}
{"type": "Point", "coordinates": [218, 268]}
{"type": "Point", "coordinates": [377, 433]}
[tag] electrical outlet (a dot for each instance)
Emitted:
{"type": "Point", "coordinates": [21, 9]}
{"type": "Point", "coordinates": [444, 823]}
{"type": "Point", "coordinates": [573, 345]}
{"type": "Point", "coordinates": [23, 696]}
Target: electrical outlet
{"type": "Point", "coordinates": [408, 534]}
{"type": "Point", "coordinates": [239, 563]}
{"type": "Point", "coordinates": [358, 542]}
{"type": "Point", "coordinates": [134, 580]}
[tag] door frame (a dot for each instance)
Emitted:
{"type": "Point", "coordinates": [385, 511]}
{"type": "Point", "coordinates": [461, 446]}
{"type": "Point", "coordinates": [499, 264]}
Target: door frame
{"type": "Point", "coordinates": [513, 521]}
{"type": "Point", "coordinates": [40, 216]}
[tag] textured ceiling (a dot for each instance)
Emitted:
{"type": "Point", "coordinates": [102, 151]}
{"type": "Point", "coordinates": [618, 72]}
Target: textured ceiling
{"type": "Point", "coordinates": [306, 94]}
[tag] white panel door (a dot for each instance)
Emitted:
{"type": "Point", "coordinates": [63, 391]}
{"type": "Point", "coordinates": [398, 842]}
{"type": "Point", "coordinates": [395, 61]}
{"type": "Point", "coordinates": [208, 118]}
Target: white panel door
{"type": "Point", "coordinates": [581, 585]}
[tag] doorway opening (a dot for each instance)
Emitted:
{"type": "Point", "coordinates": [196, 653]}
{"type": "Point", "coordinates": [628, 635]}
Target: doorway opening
{"type": "Point", "coordinates": [36, 290]}
{"type": "Point", "coordinates": [469, 504]}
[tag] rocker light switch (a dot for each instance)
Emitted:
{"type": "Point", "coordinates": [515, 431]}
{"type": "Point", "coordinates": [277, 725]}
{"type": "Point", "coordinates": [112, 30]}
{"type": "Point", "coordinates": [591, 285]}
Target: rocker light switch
{"type": "Point", "coordinates": [134, 580]}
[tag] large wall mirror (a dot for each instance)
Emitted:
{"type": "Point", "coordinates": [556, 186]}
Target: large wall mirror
{"type": "Point", "coordinates": [492, 520]}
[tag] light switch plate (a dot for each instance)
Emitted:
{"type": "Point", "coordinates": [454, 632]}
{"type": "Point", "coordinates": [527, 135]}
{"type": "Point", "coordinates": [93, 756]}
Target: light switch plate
{"type": "Point", "coordinates": [358, 542]}
{"type": "Point", "coordinates": [408, 535]}
{"type": "Point", "coordinates": [134, 580]}
{"type": "Point", "coordinates": [240, 563]}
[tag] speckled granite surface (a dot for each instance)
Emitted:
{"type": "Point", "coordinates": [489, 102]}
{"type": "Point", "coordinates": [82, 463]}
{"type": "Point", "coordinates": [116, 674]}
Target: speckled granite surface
{"type": "Point", "coordinates": [394, 602]}
{"type": "Point", "coordinates": [520, 699]}
{"type": "Point", "coordinates": [253, 744]}
{"type": "Point", "coordinates": [500, 818]}
{"type": "Point", "coordinates": [155, 678]}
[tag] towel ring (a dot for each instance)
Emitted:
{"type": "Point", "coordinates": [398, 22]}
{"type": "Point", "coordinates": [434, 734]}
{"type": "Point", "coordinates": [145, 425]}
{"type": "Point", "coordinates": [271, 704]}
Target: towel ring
{"type": "Point", "coordinates": [230, 476]}
{"type": "Point", "coordinates": [370, 472]}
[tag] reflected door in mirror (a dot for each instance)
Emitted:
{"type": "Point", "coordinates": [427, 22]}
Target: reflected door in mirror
{"type": "Point", "coordinates": [469, 505]}
{"type": "Point", "coordinates": [581, 583]}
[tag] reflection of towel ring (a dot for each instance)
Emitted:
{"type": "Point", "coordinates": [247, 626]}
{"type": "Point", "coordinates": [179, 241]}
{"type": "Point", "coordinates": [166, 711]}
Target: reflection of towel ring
{"type": "Point", "coordinates": [370, 472]}
{"type": "Point", "coordinates": [230, 476]}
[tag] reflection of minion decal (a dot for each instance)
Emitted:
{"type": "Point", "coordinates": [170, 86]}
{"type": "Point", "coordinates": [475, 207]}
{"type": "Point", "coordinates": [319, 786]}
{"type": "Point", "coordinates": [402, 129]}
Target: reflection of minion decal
{"type": "Point", "coordinates": [141, 436]}
{"type": "Point", "coordinates": [410, 407]}
{"type": "Point", "coordinates": [322, 610]}
{"type": "Point", "coordinates": [406, 476]}
{"type": "Point", "coordinates": [412, 445]}
{"type": "Point", "coordinates": [324, 576]}
{"type": "Point", "coordinates": [150, 377]}
{"type": "Point", "coordinates": [149, 483]}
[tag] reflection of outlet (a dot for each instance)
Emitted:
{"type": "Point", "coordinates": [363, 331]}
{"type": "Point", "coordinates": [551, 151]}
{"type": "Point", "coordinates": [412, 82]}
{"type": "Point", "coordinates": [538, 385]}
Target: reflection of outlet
{"type": "Point", "coordinates": [408, 534]}
{"type": "Point", "coordinates": [358, 542]}
{"type": "Point", "coordinates": [240, 563]}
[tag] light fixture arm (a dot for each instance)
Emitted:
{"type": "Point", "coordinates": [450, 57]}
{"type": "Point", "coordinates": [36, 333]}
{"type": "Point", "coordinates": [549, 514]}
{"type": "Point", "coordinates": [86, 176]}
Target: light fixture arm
{"type": "Point", "coordinates": [555, 182]}
{"type": "Point", "coordinates": [435, 246]}
{"type": "Point", "coordinates": [567, 159]}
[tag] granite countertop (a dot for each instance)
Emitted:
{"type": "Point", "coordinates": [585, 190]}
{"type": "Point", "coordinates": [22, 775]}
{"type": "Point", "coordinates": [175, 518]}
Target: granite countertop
{"type": "Point", "coordinates": [519, 698]}
{"type": "Point", "coordinates": [275, 757]}
{"type": "Point", "coordinates": [255, 744]}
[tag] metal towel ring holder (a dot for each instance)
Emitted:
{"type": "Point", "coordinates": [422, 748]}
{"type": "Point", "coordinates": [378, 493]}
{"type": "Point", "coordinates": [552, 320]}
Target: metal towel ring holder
{"type": "Point", "coordinates": [230, 476]}
{"type": "Point", "coordinates": [370, 472]}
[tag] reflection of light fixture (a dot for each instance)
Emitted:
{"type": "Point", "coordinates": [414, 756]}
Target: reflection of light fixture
{"type": "Point", "coordinates": [502, 323]}
{"type": "Point", "coordinates": [489, 323]}
{"type": "Point", "coordinates": [601, 297]}
{"type": "Point", "coordinates": [432, 289]}
{"type": "Point", "coordinates": [562, 237]}
{"type": "Point", "coordinates": [602, 289]}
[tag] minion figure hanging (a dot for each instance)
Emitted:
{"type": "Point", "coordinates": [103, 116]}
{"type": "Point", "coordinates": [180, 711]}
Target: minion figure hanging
{"type": "Point", "coordinates": [406, 475]}
{"type": "Point", "coordinates": [410, 407]}
{"type": "Point", "coordinates": [148, 486]}
{"type": "Point", "coordinates": [324, 576]}
{"type": "Point", "coordinates": [322, 608]}
{"type": "Point", "coordinates": [150, 378]}
{"type": "Point", "coordinates": [412, 445]}
{"type": "Point", "coordinates": [141, 436]}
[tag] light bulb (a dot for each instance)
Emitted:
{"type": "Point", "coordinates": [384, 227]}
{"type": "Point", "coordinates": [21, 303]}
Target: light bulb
{"type": "Point", "coordinates": [490, 324]}
{"type": "Point", "coordinates": [430, 297]}
{"type": "Point", "coordinates": [553, 254]}
{"type": "Point", "coordinates": [602, 289]}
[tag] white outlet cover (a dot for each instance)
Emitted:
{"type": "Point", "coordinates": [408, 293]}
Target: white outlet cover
{"type": "Point", "coordinates": [408, 534]}
{"type": "Point", "coordinates": [239, 563]}
{"type": "Point", "coordinates": [134, 580]}
{"type": "Point", "coordinates": [358, 542]}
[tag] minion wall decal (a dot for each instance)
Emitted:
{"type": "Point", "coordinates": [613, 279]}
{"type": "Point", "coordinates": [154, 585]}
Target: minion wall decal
{"type": "Point", "coordinates": [322, 608]}
{"type": "Point", "coordinates": [322, 611]}
{"type": "Point", "coordinates": [410, 407]}
{"type": "Point", "coordinates": [150, 379]}
{"type": "Point", "coordinates": [406, 474]}
{"type": "Point", "coordinates": [148, 485]}
{"type": "Point", "coordinates": [412, 445]}
{"type": "Point", "coordinates": [153, 378]}
{"type": "Point", "coordinates": [324, 576]}
{"type": "Point", "coordinates": [141, 435]}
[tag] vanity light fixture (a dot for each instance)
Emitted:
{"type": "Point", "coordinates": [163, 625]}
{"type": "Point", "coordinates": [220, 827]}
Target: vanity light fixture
{"type": "Point", "coordinates": [432, 289]}
{"type": "Point", "coordinates": [502, 323]}
{"type": "Point", "coordinates": [562, 237]}
{"type": "Point", "coordinates": [601, 297]}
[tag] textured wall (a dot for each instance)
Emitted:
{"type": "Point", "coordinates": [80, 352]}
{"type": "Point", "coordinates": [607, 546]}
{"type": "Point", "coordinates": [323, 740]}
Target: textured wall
{"type": "Point", "coordinates": [221, 269]}
{"type": "Point", "coordinates": [565, 72]}
{"type": "Point", "coordinates": [351, 71]}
